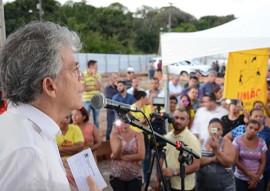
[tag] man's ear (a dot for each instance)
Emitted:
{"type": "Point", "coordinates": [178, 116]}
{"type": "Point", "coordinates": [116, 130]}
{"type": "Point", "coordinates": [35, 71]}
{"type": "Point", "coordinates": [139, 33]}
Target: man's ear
{"type": "Point", "coordinates": [49, 87]}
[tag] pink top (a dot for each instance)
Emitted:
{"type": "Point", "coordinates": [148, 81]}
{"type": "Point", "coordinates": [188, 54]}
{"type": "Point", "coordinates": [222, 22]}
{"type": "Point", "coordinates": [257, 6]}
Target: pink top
{"type": "Point", "coordinates": [88, 134]}
{"type": "Point", "coordinates": [250, 159]}
{"type": "Point", "coordinates": [127, 170]}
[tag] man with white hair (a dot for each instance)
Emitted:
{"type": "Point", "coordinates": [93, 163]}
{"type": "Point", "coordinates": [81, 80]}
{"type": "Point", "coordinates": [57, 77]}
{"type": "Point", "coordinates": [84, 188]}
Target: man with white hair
{"type": "Point", "coordinates": [40, 77]}
{"type": "Point", "coordinates": [174, 87]}
{"type": "Point", "coordinates": [134, 86]}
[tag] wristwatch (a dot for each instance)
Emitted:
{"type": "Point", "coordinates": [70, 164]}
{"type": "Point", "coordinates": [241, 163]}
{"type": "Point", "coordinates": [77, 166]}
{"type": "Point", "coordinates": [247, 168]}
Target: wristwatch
{"type": "Point", "coordinates": [175, 172]}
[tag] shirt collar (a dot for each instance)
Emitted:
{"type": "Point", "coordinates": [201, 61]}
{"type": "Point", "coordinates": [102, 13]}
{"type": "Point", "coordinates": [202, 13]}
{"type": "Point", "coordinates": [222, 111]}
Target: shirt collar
{"type": "Point", "coordinates": [180, 135]}
{"type": "Point", "coordinates": [43, 121]}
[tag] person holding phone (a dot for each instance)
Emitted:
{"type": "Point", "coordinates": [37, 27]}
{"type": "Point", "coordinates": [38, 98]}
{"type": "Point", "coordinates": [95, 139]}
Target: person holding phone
{"type": "Point", "coordinates": [218, 156]}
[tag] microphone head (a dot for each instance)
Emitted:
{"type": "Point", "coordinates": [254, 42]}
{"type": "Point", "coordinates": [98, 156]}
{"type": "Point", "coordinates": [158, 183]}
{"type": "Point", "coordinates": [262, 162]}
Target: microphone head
{"type": "Point", "coordinates": [98, 101]}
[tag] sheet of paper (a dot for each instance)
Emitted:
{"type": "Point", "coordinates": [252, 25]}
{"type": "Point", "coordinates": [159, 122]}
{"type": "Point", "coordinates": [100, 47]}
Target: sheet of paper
{"type": "Point", "coordinates": [83, 165]}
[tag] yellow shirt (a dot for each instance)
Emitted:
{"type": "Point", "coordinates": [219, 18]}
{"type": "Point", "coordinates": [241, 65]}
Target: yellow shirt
{"type": "Point", "coordinates": [172, 157]}
{"type": "Point", "coordinates": [147, 111]}
{"type": "Point", "coordinates": [89, 82]}
{"type": "Point", "coordinates": [72, 136]}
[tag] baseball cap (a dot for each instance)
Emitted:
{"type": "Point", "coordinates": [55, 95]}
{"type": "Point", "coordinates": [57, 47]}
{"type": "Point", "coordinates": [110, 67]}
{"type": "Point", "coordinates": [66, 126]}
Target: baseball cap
{"type": "Point", "coordinates": [130, 69]}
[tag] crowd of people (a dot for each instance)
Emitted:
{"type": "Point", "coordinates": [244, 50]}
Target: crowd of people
{"type": "Point", "coordinates": [50, 106]}
{"type": "Point", "coordinates": [199, 110]}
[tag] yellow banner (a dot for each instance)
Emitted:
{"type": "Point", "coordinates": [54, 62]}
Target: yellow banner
{"type": "Point", "coordinates": [245, 77]}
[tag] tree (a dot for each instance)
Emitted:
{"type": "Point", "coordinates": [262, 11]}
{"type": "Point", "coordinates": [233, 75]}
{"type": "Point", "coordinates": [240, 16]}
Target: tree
{"type": "Point", "coordinates": [21, 12]}
{"type": "Point", "coordinates": [112, 29]}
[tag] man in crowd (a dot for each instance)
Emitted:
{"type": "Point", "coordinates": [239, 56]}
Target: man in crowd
{"type": "Point", "coordinates": [211, 84]}
{"type": "Point", "coordinates": [204, 114]}
{"type": "Point", "coordinates": [180, 133]}
{"type": "Point", "coordinates": [130, 77]}
{"type": "Point", "coordinates": [174, 87]}
{"type": "Point", "coordinates": [134, 86]}
{"type": "Point", "coordinates": [110, 91]}
{"type": "Point", "coordinates": [192, 83]}
{"type": "Point", "coordinates": [91, 86]}
{"type": "Point", "coordinates": [40, 76]}
{"type": "Point", "coordinates": [122, 96]}
{"type": "Point", "coordinates": [154, 88]}
{"type": "Point", "coordinates": [193, 95]}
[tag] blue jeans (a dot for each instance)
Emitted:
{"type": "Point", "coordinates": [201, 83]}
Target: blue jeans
{"type": "Point", "coordinates": [110, 120]}
{"type": "Point", "coordinates": [242, 185]}
{"type": "Point", "coordinates": [151, 73]}
{"type": "Point", "coordinates": [88, 107]}
{"type": "Point", "coordinates": [121, 185]}
{"type": "Point", "coordinates": [266, 178]}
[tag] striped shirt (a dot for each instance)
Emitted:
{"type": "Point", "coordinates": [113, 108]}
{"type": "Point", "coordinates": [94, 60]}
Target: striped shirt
{"type": "Point", "coordinates": [90, 82]}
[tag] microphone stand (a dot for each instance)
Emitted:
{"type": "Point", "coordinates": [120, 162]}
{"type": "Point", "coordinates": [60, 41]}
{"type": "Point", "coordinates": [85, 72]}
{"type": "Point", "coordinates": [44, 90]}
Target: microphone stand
{"type": "Point", "coordinates": [179, 145]}
{"type": "Point", "coordinates": [130, 119]}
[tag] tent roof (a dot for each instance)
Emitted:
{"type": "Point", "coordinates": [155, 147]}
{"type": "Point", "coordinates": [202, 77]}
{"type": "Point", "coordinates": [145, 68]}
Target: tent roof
{"type": "Point", "coordinates": [245, 33]}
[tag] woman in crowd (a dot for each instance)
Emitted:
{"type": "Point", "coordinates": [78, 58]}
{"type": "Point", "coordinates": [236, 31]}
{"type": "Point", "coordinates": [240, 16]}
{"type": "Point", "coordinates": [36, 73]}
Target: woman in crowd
{"type": "Point", "coordinates": [185, 103]}
{"type": "Point", "coordinates": [263, 133]}
{"type": "Point", "coordinates": [128, 151]}
{"type": "Point", "coordinates": [260, 105]}
{"type": "Point", "coordinates": [250, 159]}
{"type": "Point", "coordinates": [234, 117]}
{"type": "Point", "coordinates": [218, 93]}
{"type": "Point", "coordinates": [71, 140]}
{"type": "Point", "coordinates": [92, 139]}
{"type": "Point", "coordinates": [217, 158]}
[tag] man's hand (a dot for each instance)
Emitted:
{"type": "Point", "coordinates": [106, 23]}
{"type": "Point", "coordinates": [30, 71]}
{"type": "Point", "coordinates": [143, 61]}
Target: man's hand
{"type": "Point", "coordinates": [167, 172]}
{"type": "Point", "coordinates": [91, 183]}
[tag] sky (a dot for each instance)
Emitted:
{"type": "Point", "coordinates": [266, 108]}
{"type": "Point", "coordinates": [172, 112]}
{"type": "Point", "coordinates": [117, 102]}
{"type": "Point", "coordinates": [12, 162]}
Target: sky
{"type": "Point", "coordinates": [197, 8]}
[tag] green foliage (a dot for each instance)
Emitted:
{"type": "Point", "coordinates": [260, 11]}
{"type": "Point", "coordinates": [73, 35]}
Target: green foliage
{"type": "Point", "coordinates": [112, 29]}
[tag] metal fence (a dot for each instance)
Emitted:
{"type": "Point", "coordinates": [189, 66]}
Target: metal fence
{"type": "Point", "coordinates": [116, 62]}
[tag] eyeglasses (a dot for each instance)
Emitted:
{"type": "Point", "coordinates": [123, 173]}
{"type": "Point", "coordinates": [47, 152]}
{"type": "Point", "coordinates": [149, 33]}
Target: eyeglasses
{"type": "Point", "coordinates": [76, 72]}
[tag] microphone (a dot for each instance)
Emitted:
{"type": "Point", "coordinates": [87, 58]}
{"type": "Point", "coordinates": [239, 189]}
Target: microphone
{"type": "Point", "coordinates": [99, 101]}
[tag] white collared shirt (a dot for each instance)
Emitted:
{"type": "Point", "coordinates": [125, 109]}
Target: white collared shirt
{"type": "Point", "coordinates": [202, 119]}
{"type": "Point", "coordinates": [29, 157]}
{"type": "Point", "coordinates": [175, 89]}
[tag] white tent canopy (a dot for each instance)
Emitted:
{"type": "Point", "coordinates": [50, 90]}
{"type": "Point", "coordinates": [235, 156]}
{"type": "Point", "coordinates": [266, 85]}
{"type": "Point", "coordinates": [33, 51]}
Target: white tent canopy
{"type": "Point", "coordinates": [245, 33]}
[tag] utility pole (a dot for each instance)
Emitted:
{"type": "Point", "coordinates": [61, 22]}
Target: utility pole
{"type": "Point", "coordinates": [169, 26]}
{"type": "Point", "coordinates": [2, 24]}
{"type": "Point", "coordinates": [165, 72]}
{"type": "Point", "coordinates": [39, 7]}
